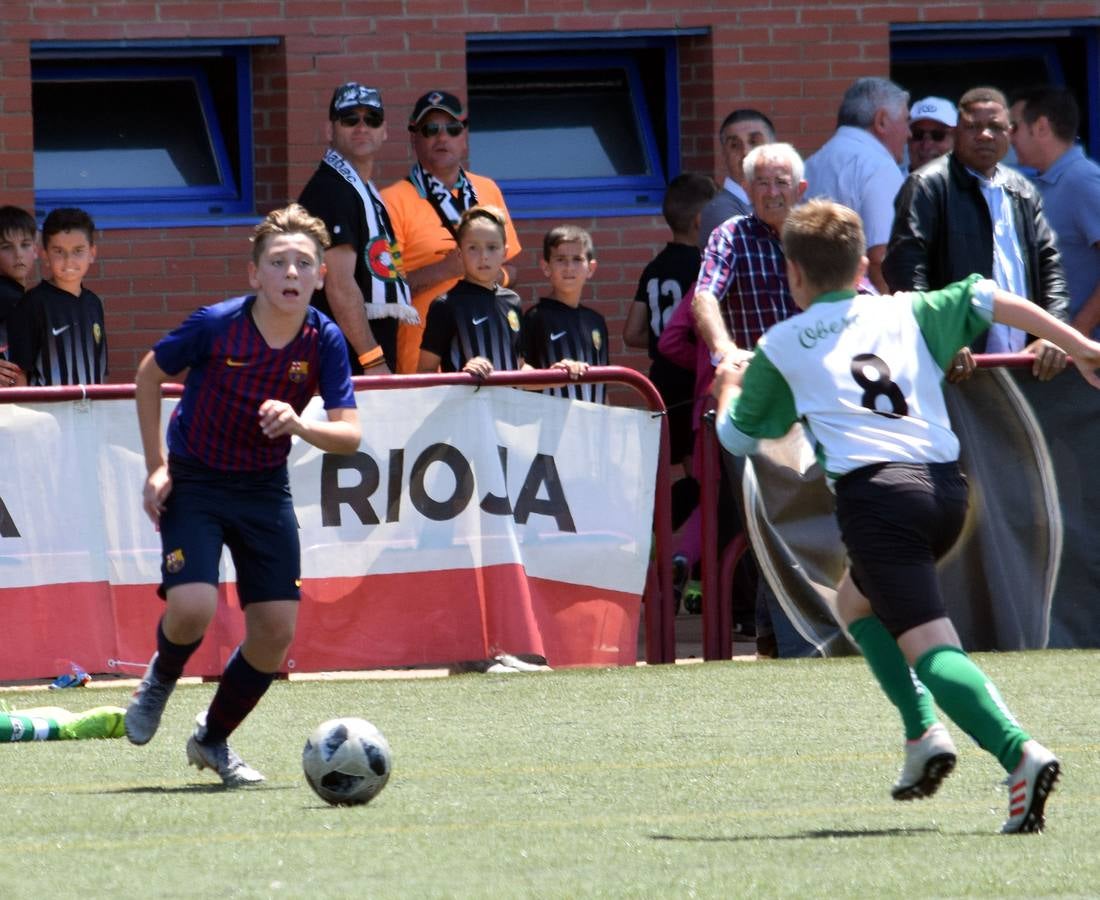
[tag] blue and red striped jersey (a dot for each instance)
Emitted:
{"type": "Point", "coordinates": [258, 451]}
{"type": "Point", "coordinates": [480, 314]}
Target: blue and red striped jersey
{"type": "Point", "coordinates": [233, 370]}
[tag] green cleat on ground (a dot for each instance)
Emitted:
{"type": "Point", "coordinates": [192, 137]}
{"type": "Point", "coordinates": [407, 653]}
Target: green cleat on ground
{"type": "Point", "coordinates": [100, 722]}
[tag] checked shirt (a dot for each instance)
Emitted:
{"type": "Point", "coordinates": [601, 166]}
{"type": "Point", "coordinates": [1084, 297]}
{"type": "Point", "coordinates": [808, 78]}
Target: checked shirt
{"type": "Point", "coordinates": [743, 266]}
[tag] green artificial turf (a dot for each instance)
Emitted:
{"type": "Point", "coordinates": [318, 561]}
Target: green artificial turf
{"type": "Point", "coordinates": [762, 779]}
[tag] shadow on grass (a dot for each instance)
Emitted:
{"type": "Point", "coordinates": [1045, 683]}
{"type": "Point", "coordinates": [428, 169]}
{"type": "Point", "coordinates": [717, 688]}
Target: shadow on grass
{"type": "Point", "coordinates": [802, 835]}
{"type": "Point", "coordinates": [204, 788]}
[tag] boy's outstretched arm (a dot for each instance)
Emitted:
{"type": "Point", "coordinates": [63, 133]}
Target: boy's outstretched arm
{"type": "Point", "coordinates": [1033, 319]}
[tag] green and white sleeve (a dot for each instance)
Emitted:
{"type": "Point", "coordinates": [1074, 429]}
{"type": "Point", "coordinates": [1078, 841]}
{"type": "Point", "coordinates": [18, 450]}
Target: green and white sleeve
{"type": "Point", "coordinates": [763, 409]}
{"type": "Point", "coordinates": [951, 318]}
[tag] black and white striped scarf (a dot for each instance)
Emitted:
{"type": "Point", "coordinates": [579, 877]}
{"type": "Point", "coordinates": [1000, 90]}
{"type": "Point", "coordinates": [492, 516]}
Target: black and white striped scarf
{"type": "Point", "coordinates": [389, 293]}
{"type": "Point", "coordinates": [448, 207]}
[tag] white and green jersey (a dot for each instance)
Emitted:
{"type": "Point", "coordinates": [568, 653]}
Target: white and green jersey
{"type": "Point", "coordinates": [864, 375]}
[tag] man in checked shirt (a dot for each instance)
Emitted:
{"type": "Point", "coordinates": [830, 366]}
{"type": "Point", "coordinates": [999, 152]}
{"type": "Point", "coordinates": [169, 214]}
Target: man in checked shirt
{"type": "Point", "coordinates": [740, 293]}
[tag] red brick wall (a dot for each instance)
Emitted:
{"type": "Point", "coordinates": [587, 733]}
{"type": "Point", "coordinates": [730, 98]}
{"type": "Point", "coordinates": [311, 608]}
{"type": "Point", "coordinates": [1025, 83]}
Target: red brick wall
{"type": "Point", "coordinates": [790, 59]}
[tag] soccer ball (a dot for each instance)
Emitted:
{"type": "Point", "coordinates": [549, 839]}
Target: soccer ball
{"type": "Point", "coordinates": [347, 761]}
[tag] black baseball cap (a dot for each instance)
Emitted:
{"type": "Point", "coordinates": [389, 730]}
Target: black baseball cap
{"type": "Point", "coordinates": [441, 100]}
{"type": "Point", "coordinates": [351, 96]}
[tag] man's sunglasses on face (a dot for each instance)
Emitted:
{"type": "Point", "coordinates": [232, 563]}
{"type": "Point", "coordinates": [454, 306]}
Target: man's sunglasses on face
{"type": "Point", "coordinates": [919, 134]}
{"type": "Point", "coordinates": [431, 129]}
{"type": "Point", "coordinates": [370, 118]}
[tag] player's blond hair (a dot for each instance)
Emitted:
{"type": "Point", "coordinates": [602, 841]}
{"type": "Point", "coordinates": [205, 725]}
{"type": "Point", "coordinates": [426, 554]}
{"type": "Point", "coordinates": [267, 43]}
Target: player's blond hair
{"type": "Point", "coordinates": [826, 240]}
{"type": "Point", "coordinates": [292, 219]}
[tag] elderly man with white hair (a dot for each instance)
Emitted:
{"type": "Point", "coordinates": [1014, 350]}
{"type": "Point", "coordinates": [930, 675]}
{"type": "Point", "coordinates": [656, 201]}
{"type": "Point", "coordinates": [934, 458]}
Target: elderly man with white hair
{"type": "Point", "coordinates": [859, 165]}
{"type": "Point", "coordinates": [742, 291]}
{"type": "Point", "coordinates": [742, 288]}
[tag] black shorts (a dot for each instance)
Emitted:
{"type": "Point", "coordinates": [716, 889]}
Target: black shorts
{"type": "Point", "coordinates": [251, 513]}
{"type": "Point", "coordinates": [896, 520]}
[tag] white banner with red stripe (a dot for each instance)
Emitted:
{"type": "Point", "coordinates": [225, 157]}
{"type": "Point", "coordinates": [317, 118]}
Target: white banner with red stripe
{"type": "Point", "coordinates": [470, 521]}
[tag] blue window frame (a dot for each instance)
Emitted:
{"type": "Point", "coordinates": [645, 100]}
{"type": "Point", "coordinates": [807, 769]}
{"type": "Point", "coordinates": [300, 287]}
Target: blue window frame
{"type": "Point", "coordinates": [575, 124]}
{"type": "Point", "coordinates": [144, 134]}
{"type": "Point", "coordinates": [947, 59]}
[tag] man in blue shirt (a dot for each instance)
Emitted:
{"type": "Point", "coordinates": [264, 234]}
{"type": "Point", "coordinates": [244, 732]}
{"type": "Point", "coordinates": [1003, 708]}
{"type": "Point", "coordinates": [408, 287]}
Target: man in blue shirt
{"type": "Point", "coordinates": [1044, 134]}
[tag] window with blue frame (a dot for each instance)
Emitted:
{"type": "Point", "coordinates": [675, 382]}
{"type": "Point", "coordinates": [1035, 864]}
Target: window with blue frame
{"type": "Point", "coordinates": [143, 135]}
{"type": "Point", "coordinates": [949, 58]}
{"type": "Point", "coordinates": [574, 124]}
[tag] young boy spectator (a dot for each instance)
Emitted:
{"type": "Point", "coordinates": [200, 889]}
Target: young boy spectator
{"type": "Point", "coordinates": [559, 330]}
{"type": "Point", "coordinates": [56, 335]}
{"type": "Point", "coordinates": [252, 363]}
{"type": "Point", "coordinates": [476, 326]}
{"type": "Point", "coordinates": [18, 234]}
{"type": "Point", "coordinates": [662, 286]}
{"type": "Point", "coordinates": [865, 374]}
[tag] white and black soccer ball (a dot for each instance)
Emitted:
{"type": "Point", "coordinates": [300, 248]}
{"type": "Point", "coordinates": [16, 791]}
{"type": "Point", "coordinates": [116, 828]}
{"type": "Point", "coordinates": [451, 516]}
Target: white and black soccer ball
{"type": "Point", "coordinates": [347, 761]}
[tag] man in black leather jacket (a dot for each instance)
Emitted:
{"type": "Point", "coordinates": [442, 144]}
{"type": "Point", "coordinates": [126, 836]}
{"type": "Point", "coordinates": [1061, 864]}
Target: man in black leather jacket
{"type": "Point", "coordinates": [943, 228]}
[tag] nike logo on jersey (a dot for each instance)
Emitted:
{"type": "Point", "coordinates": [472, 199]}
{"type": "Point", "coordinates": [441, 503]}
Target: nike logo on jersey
{"type": "Point", "coordinates": [57, 331]}
{"type": "Point", "coordinates": [234, 363]}
{"type": "Point", "coordinates": [480, 321]}
{"type": "Point", "coordinates": [556, 335]}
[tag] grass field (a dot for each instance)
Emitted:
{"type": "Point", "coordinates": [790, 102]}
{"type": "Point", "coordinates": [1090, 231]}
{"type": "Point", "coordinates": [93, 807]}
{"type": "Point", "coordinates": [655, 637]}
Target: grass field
{"type": "Point", "coordinates": [765, 779]}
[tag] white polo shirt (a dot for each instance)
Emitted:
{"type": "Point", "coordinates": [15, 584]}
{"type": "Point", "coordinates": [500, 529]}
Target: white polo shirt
{"type": "Point", "coordinates": [854, 168]}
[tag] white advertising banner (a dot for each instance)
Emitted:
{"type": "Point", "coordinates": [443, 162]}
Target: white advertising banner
{"type": "Point", "coordinates": [447, 480]}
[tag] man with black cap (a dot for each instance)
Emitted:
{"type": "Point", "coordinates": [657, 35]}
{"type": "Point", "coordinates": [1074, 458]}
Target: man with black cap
{"type": "Point", "coordinates": [364, 290]}
{"type": "Point", "coordinates": [425, 208]}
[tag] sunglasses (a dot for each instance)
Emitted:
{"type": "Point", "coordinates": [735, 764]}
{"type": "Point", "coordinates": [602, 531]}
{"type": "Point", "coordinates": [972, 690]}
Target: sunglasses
{"type": "Point", "coordinates": [919, 134]}
{"type": "Point", "coordinates": [431, 129]}
{"type": "Point", "coordinates": [370, 119]}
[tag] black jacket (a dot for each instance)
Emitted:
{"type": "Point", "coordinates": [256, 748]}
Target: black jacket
{"type": "Point", "coordinates": [943, 232]}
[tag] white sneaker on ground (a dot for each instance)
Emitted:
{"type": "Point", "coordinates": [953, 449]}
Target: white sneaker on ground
{"type": "Point", "coordinates": [233, 771]}
{"type": "Point", "coordinates": [1029, 785]}
{"type": "Point", "coordinates": [928, 761]}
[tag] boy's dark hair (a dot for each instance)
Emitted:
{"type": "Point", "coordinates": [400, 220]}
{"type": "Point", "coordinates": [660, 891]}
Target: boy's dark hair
{"type": "Point", "coordinates": [568, 234]}
{"type": "Point", "coordinates": [292, 219]}
{"type": "Point", "coordinates": [685, 198]}
{"type": "Point", "coordinates": [67, 218]}
{"type": "Point", "coordinates": [747, 115]}
{"type": "Point", "coordinates": [1056, 103]}
{"type": "Point", "coordinates": [488, 213]}
{"type": "Point", "coordinates": [826, 240]}
{"type": "Point", "coordinates": [984, 94]}
{"type": "Point", "coordinates": [16, 220]}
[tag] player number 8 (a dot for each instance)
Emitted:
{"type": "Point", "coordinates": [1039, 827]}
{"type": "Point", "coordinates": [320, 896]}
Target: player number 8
{"type": "Point", "coordinates": [873, 375]}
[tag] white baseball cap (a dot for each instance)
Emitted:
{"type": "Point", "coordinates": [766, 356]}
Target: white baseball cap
{"type": "Point", "coordinates": [937, 109]}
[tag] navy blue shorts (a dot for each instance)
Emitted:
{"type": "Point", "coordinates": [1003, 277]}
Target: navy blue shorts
{"type": "Point", "coordinates": [897, 520]}
{"type": "Point", "coordinates": [251, 513]}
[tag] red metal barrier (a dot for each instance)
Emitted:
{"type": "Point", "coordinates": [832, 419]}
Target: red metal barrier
{"type": "Point", "coordinates": [660, 606]}
{"type": "Point", "coordinates": [717, 575]}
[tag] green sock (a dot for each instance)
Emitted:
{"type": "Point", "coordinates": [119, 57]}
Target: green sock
{"type": "Point", "coordinates": [965, 693]}
{"type": "Point", "coordinates": [898, 681]}
{"type": "Point", "coordinates": [101, 722]}
{"type": "Point", "coordinates": [16, 727]}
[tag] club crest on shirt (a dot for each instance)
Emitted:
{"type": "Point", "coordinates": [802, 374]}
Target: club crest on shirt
{"type": "Point", "coordinates": [299, 371]}
{"type": "Point", "coordinates": [597, 338]}
{"type": "Point", "coordinates": [97, 333]}
{"type": "Point", "coordinates": [382, 258]}
{"type": "Point", "coordinates": [513, 320]}
{"type": "Point", "coordinates": [173, 562]}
